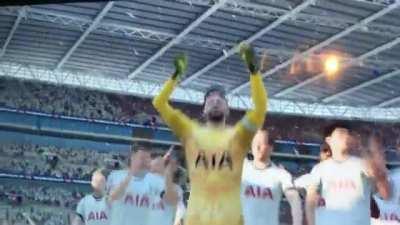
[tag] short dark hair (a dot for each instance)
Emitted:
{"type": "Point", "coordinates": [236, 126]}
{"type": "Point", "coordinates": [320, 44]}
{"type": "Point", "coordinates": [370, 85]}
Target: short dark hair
{"type": "Point", "coordinates": [325, 148]}
{"type": "Point", "coordinates": [328, 130]}
{"type": "Point", "coordinates": [137, 148]}
{"type": "Point", "coordinates": [271, 139]}
{"type": "Point", "coordinates": [377, 134]}
{"type": "Point", "coordinates": [215, 88]}
{"type": "Point", "coordinates": [367, 134]}
{"type": "Point", "coordinates": [140, 147]}
{"type": "Point", "coordinates": [102, 171]}
{"type": "Point", "coordinates": [155, 155]}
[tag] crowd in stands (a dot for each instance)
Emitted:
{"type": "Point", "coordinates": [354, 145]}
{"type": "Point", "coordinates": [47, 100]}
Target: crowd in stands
{"type": "Point", "coordinates": [78, 164]}
{"type": "Point", "coordinates": [43, 203]}
{"type": "Point", "coordinates": [59, 100]}
{"type": "Point", "coordinates": [18, 194]}
{"type": "Point", "coordinates": [39, 214]}
{"type": "Point", "coordinates": [51, 161]}
{"type": "Point", "coordinates": [56, 162]}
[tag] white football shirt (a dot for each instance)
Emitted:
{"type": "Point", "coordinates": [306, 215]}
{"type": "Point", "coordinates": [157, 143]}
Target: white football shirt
{"type": "Point", "coordinates": [346, 191]}
{"type": "Point", "coordinates": [180, 211]}
{"type": "Point", "coordinates": [262, 191]}
{"type": "Point", "coordinates": [394, 178]}
{"type": "Point", "coordinates": [390, 209]}
{"type": "Point", "coordinates": [383, 222]}
{"type": "Point", "coordinates": [93, 211]}
{"type": "Point", "coordinates": [303, 181]}
{"type": "Point", "coordinates": [160, 213]}
{"type": "Point", "coordinates": [133, 207]}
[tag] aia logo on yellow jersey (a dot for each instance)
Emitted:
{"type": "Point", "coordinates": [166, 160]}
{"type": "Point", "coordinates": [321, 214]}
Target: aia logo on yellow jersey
{"type": "Point", "coordinates": [214, 161]}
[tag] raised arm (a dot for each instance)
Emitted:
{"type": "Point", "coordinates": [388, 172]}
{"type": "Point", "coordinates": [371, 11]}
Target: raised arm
{"type": "Point", "coordinates": [374, 163]}
{"type": "Point", "coordinates": [311, 204]}
{"type": "Point", "coordinates": [171, 192]}
{"type": "Point", "coordinates": [293, 197]}
{"type": "Point", "coordinates": [313, 194]}
{"type": "Point", "coordinates": [254, 118]}
{"type": "Point", "coordinates": [79, 218]}
{"type": "Point", "coordinates": [180, 212]}
{"type": "Point", "coordinates": [120, 190]}
{"type": "Point", "coordinates": [377, 173]}
{"type": "Point", "coordinates": [179, 123]}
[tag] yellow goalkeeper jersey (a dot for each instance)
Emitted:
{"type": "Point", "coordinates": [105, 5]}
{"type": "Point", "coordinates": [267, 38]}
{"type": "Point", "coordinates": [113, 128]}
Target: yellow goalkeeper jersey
{"type": "Point", "coordinates": [214, 157]}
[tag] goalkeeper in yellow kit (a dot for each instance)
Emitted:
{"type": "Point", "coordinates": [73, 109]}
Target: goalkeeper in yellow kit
{"type": "Point", "coordinates": [215, 152]}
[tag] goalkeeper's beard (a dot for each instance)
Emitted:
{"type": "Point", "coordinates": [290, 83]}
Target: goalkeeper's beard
{"type": "Point", "coordinates": [216, 117]}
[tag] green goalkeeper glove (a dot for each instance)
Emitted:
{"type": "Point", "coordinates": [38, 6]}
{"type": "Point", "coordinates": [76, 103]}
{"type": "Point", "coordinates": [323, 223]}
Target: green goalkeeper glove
{"type": "Point", "coordinates": [180, 63]}
{"type": "Point", "coordinates": [249, 57]}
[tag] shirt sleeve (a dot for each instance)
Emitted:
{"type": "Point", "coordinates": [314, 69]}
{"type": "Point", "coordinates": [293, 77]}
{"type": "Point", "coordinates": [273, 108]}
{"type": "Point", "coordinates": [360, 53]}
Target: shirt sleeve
{"type": "Point", "coordinates": [253, 119]}
{"type": "Point", "coordinates": [181, 208]}
{"type": "Point", "coordinates": [156, 188]}
{"type": "Point", "coordinates": [80, 209]}
{"type": "Point", "coordinates": [394, 181]}
{"type": "Point", "coordinates": [180, 192]}
{"type": "Point", "coordinates": [110, 182]}
{"type": "Point", "coordinates": [180, 211]}
{"type": "Point", "coordinates": [286, 180]}
{"type": "Point", "coordinates": [366, 174]}
{"type": "Point", "coordinates": [178, 122]}
{"type": "Point", "coordinates": [302, 181]}
{"type": "Point", "coordinates": [315, 176]}
{"type": "Point", "coordinates": [364, 167]}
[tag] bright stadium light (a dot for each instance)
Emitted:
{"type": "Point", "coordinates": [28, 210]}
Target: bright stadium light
{"type": "Point", "coordinates": [331, 65]}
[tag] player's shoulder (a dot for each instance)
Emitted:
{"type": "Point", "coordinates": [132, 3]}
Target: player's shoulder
{"type": "Point", "coordinates": [154, 180]}
{"type": "Point", "coordinates": [153, 177]}
{"type": "Point", "coordinates": [303, 181]}
{"type": "Point", "coordinates": [279, 169]}
{"type": "Point", "coordinates": [356, 159]}
{"type": "Point", "coordinates": [149, 175]}
{"type": "Point", "coordinates": [247, 163]}
{"type": "Point", "coordinates": [322, 164]}
{"type": "Point", "coordinates": [117, 173]}
{"type": "Point", "coordinates": [179, 189]}
{"type": "Point", "coordinates": [395, 173]}
{"type": "Point", "coordinates": [86, 199]}
{"type": "Point", "coordinates": [281, 173]}
{"type": "Point", "coordinates": [358, 162]}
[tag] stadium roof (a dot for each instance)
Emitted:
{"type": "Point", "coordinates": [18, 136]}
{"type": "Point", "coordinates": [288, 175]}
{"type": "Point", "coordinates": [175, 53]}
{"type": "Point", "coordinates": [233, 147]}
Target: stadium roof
{"type": "Point", "coordinates": [128, 47]}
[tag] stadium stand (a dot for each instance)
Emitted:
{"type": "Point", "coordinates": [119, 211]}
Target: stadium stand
{"type": "Point", "coordinates": [296, 146]}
